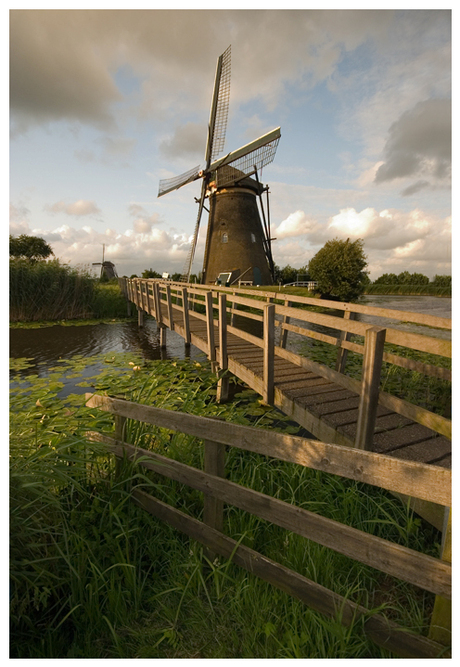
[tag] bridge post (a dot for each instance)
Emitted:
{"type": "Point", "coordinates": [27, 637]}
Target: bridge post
{"type": "Point", "coordinates": [283, 331]}
{"type": "Point", "coordinates": [269, 353]}
{"type": "Point", "coordinates": [210, 330]}
{"type": "Point", "coordinates": [368, 404]}
{"type": "Point", "coordinates": [140, 317]}
{"type": "Point", "coordinates": [222, 385]}
{"type": "Point", "coordinates": [342, 352]}
{"type": "Point", "coordinates": [186, 316]}
{"type": "Point", "coordinates": [169, 307]}
{"type": "Point", "coordinates": [157, 303]}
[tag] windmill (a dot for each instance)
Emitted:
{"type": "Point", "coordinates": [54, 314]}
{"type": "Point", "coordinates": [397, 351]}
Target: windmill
{"type": "Point", "coordinates": [237, 244]}
{"type": "Point", "coordinates": [107, 268]}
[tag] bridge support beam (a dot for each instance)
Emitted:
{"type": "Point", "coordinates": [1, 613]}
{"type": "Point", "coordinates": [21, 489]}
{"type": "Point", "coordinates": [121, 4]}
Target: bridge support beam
{"type": "Point", "coordinates": [372, 366]}
{"type": "Point", "coordinates": [222, 385]}
{"type": "Point", "coordinates": [269, 353]}
{"type": "Point", "coordinates": [140, 317]}
{"type": "Point", "coordinates": [210, 330]}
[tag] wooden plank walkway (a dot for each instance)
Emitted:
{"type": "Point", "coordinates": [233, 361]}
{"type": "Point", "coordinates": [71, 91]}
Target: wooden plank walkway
{"type": "Point", "coordinates": [323, 407]}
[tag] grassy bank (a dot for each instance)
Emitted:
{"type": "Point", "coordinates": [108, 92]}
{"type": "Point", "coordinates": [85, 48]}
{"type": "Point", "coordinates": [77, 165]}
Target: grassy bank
{"type": "Point", "coordinates": [92, 576]}
{"type": "Point", "coordinates": [53, 291]}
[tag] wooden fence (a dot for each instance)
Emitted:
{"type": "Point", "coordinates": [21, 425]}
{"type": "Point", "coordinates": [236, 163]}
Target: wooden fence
{"type": "Point", "coordinates": [412, 479]}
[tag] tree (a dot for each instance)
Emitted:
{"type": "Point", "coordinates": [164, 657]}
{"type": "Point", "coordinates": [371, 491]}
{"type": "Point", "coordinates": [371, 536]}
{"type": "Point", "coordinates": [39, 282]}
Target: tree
{"type": "Point", "coordinates": [442, 281]}
{"type": "Point", "coordinates": [339, 269]}
{"type": "Point", "coordinates": [387, 279]}
{"type": "Point", "coordinates": [31, 248]}
{"type": "Point", "coordinates": [150, 273]}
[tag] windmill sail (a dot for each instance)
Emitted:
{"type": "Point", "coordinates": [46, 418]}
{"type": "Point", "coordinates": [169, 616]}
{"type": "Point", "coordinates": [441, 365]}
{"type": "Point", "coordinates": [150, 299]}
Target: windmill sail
{"type": "Point", "coordinates": [219, 108]}
{"type": "Point", "coordinates": [229, 171]}
{"type": "Point", "coordinates": [247, 160]}
{"type": "Point", "coordinates": [170, 184]}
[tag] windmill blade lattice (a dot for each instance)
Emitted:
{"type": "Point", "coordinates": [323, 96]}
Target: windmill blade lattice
{"type": "Point", "coordinates": [247, 164]}
{"type": "Point", "coordinates": [176, 182]}
{"type": "Point", "coordinates": [219, 109]}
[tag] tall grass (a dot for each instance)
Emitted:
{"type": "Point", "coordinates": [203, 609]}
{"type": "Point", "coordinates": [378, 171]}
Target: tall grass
{"type": "Point", "coordinates": [54, 291]}
{"type": "Point", "coordinates": [409, 290]}
{"type": "Point", "coordinates": [93, 576]}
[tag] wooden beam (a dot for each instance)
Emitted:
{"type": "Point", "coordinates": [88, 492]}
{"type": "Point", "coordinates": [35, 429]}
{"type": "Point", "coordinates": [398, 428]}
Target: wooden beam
{"type": "Point", "coordinates": [370, 386]}
{"type": "Point", "coordinates": [269, 353]}
{"type": "Point", "coordinates": [426, 572]}
{"type": "Point", "coordinates": [379, 629]}
{"type": "Point", "coordinates": [418, 480]}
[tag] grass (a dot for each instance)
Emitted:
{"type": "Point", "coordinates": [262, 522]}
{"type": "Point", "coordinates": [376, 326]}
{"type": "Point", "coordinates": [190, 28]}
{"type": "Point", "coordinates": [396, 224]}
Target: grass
{"type": "Point", "coordinates": [92, 576]}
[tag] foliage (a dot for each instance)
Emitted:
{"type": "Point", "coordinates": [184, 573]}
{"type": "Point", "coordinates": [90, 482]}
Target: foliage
{"type": "Point", "coordinates": [93, 576]}
{"type": "Point", "coordinates": [31, 248]}
{"type": "Point", "coordinates": [288, 274]}
{"type": "Point", "coordinates": [108, 301]}
{"type": "Point", "coordinates": [149, 273]}
{"type": "Point", "coordinates": [442, 281]}
{"type": "Point", "coordinates": [338, 269]}
{"type": "Point", "coordinates": [404, 278]}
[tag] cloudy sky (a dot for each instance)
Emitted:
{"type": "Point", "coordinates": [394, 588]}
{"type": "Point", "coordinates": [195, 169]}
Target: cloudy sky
{"type": "Point", "coordinates": [105, 103]}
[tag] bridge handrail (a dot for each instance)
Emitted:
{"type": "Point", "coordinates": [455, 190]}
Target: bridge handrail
{"type": "Point", "coordinates": [144, 291]}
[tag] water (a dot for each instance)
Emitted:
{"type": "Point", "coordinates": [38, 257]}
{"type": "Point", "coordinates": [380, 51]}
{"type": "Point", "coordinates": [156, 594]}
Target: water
{"type": "Point", "coordinates": [46, 346]}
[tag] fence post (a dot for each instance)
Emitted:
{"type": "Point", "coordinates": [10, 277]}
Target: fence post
{"type": "Point", "coordinates": [284, 332]}
{"type": "Point", "coordinates": [269, 353]}
{"type": "Point", "coordinates": [372, 366]}
{"type": "Point", "coordinates": [210, 330]}
{"type": "Point", "coordinates": [186, 315]}
{"type": "Point", "coordinates": [169, 307]}
{"type": "Point", "coordinates": [342, 353]}
{"type": "Point", "coordinates": [234, 307]}
{"type": "Point", "coordinates": [222, 385]}
{"type": "Point", "coordinates": [441, 619]}
{"type": "Point", "coordinates": [120, 426]}
{"type": "Point", "coordinates": [213, 511]}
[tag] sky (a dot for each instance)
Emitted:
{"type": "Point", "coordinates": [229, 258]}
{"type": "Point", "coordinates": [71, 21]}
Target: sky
{"type": "Point", "coordinates": [104, 103]}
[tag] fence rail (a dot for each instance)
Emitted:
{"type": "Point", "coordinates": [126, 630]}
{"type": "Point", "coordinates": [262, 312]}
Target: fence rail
{"type": "Point", "coordinates": [414, 479]}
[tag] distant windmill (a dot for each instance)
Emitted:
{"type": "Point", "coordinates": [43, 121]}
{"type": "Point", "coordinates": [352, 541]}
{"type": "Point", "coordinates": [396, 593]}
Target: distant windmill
{"type": "Point", "coordinates": [107, 268]}
{"type": "Point", "coordinates": [237, 244]}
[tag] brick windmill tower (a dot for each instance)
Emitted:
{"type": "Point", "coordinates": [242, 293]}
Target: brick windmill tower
{"type": "Point", "coordinates": [238, 243]}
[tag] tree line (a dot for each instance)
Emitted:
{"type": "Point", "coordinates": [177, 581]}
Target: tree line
{"type": "Point", "coordinates": [338, 269]}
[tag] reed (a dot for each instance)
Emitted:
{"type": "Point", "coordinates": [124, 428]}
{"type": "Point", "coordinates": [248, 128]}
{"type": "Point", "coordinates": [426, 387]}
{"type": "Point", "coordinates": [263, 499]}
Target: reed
{"type": "Point", "coordinates": [47, 291]}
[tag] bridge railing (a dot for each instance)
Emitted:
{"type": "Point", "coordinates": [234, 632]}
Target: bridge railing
{"type": "Point", "coordinates": [310, 319]}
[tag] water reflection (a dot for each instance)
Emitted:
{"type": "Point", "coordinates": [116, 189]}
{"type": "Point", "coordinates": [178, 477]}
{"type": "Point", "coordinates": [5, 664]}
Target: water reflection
{"type": "Point", "coordinates": [46, 346]}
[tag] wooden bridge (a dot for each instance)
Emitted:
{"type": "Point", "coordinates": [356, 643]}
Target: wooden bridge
{"type": "Point", "coordinates": [330, 404]}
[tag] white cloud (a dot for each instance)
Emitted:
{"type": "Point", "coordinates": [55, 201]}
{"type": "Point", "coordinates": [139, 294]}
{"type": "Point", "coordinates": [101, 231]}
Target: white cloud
{"type": "Point", "coordinates": [78, 208]}
{"type": "Point", "coordinates": [296, 224]}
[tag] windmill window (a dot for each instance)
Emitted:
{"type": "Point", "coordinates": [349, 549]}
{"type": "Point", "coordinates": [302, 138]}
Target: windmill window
{"type": "Point", "coordinates": [253, 237]}
{"type": "Point", "coordinates": [224, 237]}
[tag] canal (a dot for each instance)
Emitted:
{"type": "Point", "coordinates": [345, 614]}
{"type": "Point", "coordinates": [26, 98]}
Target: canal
{"type": "Point", "coordinates": [47, 345]}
